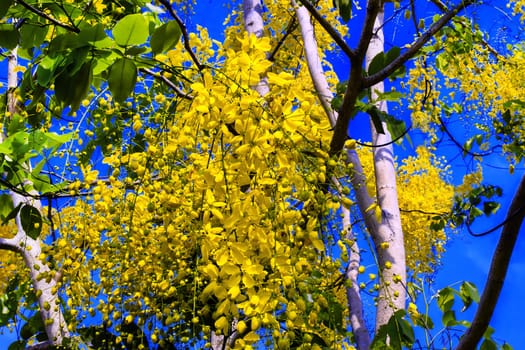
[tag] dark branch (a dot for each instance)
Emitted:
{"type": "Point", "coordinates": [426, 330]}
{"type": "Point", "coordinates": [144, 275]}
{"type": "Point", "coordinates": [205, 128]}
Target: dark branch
{"type": "Point", "coordinates": [329, 29]}
{"type": "Point", "coordinates": [497, 272]}
{"type": "Point", "coordinates": [48, 17]}
{"type": "Point", "coordinates": [184, 31]}
{"type": "Point", "coordinates": [387, 143]}
{"type": "Point", "coordinates": [415, 47]}
{"type": "Point", "coordinates": [168, 82]}
{"type": "Point", "coordinates": [456, 142]}
{"type": "Point", "coordinates": [289, 29]}
{"type": "Point", "coordinates": [372, 9]}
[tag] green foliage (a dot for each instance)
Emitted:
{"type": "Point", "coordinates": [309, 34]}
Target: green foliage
{"type": "Point", "coordinates": [31, 221]}
{"type": "Point", "coordinates": [131, 30]}
{"type": "Point", "coordinates": [345, 9]}
{"type": "Point", "coordinates": [382, 59]}
{"type": "Point", "coordinates": [122, 78]}
{"type": "Point", "coordinates": [396, 334]}
{"type": "Point", "coordinates": [165, 37]}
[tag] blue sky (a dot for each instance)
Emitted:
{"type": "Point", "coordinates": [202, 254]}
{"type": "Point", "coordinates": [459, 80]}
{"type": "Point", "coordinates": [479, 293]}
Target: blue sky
{"type": "Point", "coordinates": [467, 257]}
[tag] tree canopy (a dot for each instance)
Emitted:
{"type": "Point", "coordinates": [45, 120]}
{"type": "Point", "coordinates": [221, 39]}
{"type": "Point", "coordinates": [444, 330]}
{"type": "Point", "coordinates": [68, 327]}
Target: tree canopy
{"type": "Point", "coordinates": [162, 188]}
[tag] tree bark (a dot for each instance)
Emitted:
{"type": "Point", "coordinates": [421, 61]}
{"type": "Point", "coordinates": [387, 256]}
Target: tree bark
{"type": "Point", "coordinates": [43, 282]}
{"type": "Point", "coordinates": [325, 95]}
{"type": "Point", "coordinates": [498, 270]}
{"type": "Point", "coordinates": [391, 257]}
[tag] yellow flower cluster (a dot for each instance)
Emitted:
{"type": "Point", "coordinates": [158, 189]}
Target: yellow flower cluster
{"type": "Point", "coordinates": [200, 227]}
{"type": "Point", "coordinates": [423, 194]}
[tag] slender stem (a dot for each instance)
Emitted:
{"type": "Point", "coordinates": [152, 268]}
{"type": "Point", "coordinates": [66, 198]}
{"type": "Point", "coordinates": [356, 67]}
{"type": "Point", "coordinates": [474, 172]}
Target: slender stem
{"type": "Point", "coordinates": [48, 17]}
{"type": "Point", "coordinates": [328, 27]}
{"type": "Point", "coordinates": [185, 34]}
{"type": "Point", "coordinates": [415, 47]}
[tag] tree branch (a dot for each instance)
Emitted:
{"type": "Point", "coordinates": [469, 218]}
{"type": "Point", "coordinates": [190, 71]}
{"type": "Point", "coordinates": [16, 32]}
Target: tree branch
{"type": "Point", "coordinates": [48, 17]}
{"type": "Point", "coordinates": [168, 82]}
{"type": "Point", "coordinates": [9, 244]}
{"type": "Point", "coordinates": [497, 272]}
{"type": "Point", "coordinates": [372, 9]}
{"type": "Point", "coordinates": [314, 62]}
{"type": "Point", "coordinates": [329, 29]}
{"type": "Point", "coordinates": [184, 31]}
{"type": "Point", "coordinates": [415, 47]}
{"type": "Point", "coordinates": [289, 29]}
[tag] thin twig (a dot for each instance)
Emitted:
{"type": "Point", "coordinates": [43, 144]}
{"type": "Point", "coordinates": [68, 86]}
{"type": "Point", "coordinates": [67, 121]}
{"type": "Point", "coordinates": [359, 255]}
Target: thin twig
{"type": "Point", "coordinates": [48, 17]}
{"type": "Point", "coordinates": [289, 29]}
{"type": "Point", "coordinates": [168, 82]}
{"type": "Point", "coordinates": [415, 47]}
{"type": "Point", "coordinates": [185, 35]}
{"type": "Point", "coordinates": [329, 29]}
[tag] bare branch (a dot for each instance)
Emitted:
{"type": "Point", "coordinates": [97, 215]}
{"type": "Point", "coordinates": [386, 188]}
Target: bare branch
{"type": "Point", "coordinates": [48, 17]}
{"type": "Point", "coordinates": [289, 29]}
{"type": "Point", "coordinates": [415, 47]}
{"type": "Point", "coordinates": [9, 244]}
{"type": "Point", "coordinates": [329, 29]}
{"type": "Point", "coordinates": [314, 63]}
{"type": "Point", "coordinates": [184, 31]}
{"type": "Point", "coordinates": [497, 272]}
{"type": "Point", "coordinates": [372, 9]}
{"type": "Point", "coordinates": [168, 82]}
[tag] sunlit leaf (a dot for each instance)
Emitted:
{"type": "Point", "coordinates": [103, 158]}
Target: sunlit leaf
{"type": "Point", "coordinates": [165, 37]}
{"type": "Point", "coordinates": [122, 78]}
{"type": "Point", "coordinates": [131, 30]}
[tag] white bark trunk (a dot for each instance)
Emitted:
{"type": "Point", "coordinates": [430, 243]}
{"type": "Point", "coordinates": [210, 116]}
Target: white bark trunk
{"type": "Point", "coordinates": [314, 62]}
{"type": "Point", "coordinates": [30, 248]}
{"type": "Point", "coordinates": [315, 68]}
{"type": "Point", "coordinates": [253, 24]}
{"type": "Point", "coordinates": [391, 295]}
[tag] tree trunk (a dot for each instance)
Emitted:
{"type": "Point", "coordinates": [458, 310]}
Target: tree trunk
{"type": "Point", "coordinates": [498, 271]}
{"type": "Point", "coordinates": [325, 95]}
{"type": "Point", "coordinates": [43, 282]}
{"type": "Point", "coordinates": [391, 255]}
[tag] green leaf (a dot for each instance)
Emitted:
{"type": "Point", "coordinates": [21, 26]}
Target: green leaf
{"type": "Point", "coordinates": [91, 35]}
{"type": "Point", "coordinates": [392, 54]}
{"type": "Point", "coordinates": [506, 346]}
{"type": "Point", "coordinates": [165, 37]}
{"type": "Point", "coordinates": [389, 96]}
{"type": "Point", "coordinates": [71, 89]}
{"type": "Point", "coordinates": [488, 344]}
{"type": "Point", "coordinates": [474, 212]}
{"type": "Point", "coordinates": [6, 206]}
{"type": "Point", "coordinates": [488, 332]}
{"type": "Point", "coordinates": [377, 63]}
{"type": "Point", "coordinates": [131, 30]}
{"type": "Point", "coordinates": [377, 119]}
{"type": "Point", "coordinates": [468, 293]}
{"type": "Point", "coordinates": [396, 127]}
{"type": "Point", "coordinates": [11, 215]}
{"type": "Point", "coordinates": [136, 50]}
{"type": "Point", "coordinates": [17, 345]}
{"type": "Point", "coordinates": [446, 299]}
{"type": "Point", "coordinates": [32, 35]}
{"type": "Point", "coordinates": [345, 9]}
{"type": "Point", "coordinates": [449, 318]}
{"type": "Point", "coordinates": [9, 36]}
{"type": "Point", "coordinates": [31, 221]}
{"type": "Point", "coordinates": [405, 329]}
{"type": "Point", "coordinates": [491, 207]}
{"type": "Point", "coordinates": [425, 321]}
{"type": "Point", "coordinates": [122, 78]}
{"type": "Point", "coordinates": [4, 7]}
